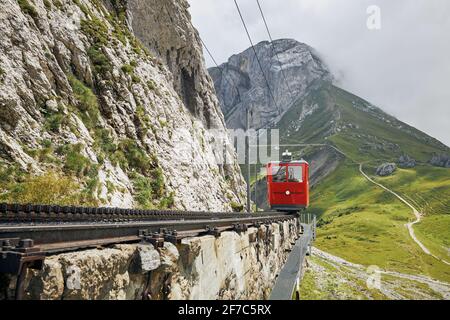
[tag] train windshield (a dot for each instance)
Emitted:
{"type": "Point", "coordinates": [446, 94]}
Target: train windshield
{"type": "Point", "coordinates": [295, 174]}
{"type": "Point", "coordinates": [278, 174]}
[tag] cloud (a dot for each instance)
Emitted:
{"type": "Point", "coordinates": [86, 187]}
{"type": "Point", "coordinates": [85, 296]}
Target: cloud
{"type": "Point", "coordinates": [404, 67]}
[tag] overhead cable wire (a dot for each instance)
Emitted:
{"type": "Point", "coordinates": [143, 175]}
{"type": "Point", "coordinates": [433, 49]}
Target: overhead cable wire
{"type": "Point", "coordinates": [273, 51]}
{"type": "Point", "coordinates": [256, 55]}
{"type": "Point", "coordinates": [231, 82]}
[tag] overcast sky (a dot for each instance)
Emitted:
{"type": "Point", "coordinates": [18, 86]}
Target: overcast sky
{"type": "Point", "coordinates": [404, 67]}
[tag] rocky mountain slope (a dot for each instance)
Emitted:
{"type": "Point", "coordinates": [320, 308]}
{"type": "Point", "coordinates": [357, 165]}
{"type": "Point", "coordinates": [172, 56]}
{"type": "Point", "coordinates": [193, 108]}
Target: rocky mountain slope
{"type": "Point", "coordinates": [109, 103]}
{"type": "Point", "coordinates": [336, 131]}
{"type": "Point", "coordinates": [290, 68]}
{"type": "Point", "coordinates": [310, 109]}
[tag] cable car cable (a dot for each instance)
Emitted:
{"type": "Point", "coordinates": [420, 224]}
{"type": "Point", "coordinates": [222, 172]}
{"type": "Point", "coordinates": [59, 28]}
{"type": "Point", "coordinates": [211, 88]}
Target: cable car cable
{"type": "Point", "coordinates": [273, 51]}
{"type": "Point", "coordinates": [231, 82]}
{"type": "Point", "coordinates": [256, 56]}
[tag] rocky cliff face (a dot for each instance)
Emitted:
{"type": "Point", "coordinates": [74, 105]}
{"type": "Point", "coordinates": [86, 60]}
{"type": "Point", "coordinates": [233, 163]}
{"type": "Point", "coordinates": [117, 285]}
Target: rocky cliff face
{"type": "Point", "coordinates": [109, 103]}
{"type": "Point", "coordinates": [291, 68]}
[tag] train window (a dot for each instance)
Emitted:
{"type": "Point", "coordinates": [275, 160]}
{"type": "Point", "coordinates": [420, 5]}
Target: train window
{"type": "Point", "coordinates": [295, 174]}
{"type": "Point", "coordinates": [278, 174]}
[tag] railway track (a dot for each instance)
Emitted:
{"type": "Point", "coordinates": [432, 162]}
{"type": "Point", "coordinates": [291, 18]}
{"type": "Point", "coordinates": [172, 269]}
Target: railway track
{"type": "Point", "coordinates": [28, 233]}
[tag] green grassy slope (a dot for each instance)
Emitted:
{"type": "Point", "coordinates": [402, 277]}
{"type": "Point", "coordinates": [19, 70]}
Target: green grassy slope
{"type": "Point", "coordinates": [369, 133]}
{"type": "Point", "coordinates": [316, 126]}
{"type": "Point", "coordinates": [359, 129]}
{"type": "Point", "coordinates": [359, 221]}
{"type": "Point", "coordinates": [364, 224]}
{"type": "Point", "coordinates": [428, 188]}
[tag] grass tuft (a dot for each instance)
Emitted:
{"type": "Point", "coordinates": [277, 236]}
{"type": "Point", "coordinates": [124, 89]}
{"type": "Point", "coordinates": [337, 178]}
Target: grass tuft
{"type": "Point", "coordinates": [87, 102]}
{"type": "Point", "coordinates": [59, 189]}
{"type": "Point", "coordinates": [28, 8]}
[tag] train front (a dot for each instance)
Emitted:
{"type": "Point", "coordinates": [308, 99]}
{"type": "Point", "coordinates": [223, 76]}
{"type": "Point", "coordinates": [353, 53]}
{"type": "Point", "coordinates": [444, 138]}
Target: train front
{"type": "Point", "coordinates": [288, 184]}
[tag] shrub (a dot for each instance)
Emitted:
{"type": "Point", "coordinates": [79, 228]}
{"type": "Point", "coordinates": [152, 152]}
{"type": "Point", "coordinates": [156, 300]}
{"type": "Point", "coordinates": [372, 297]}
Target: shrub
{"type": "Point", "coordinates": [157, 182]}
{"type": "Point", "coordinates": [167, 202]}
{"type": "Point", "coordinates": [48, 4]}
{"type": "Point", "coordinates": [87, 195]}
{"type": "Point", "coordinates": [87, 102]}
{"type": "Point", "coordinates": [104, 141]}
{"type": "Point", "coordinates": [46, 143]}
{"type": "Point", "coordinates": [83, 8]}
{"type": "Point", "coordinates": [118, 158]}
{"type": "Point", "coordinates": [149, 191]}
{"type": "Point", "coordinates": [120, 9]}
{"type": "Point", "coordinates": [142, 115]}
{"type": "Point", "coordinates": [75, 162]}
{"type": "Point", "coordinates": [127, 68]}
{"type": "Point", "coordinates": [49, 188]}
{"type": "Point", "coordinates": [143, 192]}
{"type": "Point", "coordinates": [99, 60]}
{"type": "Point", "coordinates": [27, 8]}
{"type": "Point", "coordinates": [236, 207]}
{"type": "Point", "coordinates": [58, 4]}
{"type": "Point", "coordinates": [44, 154]}
{"type": "Point", "coordinates": [53, 122]}
{"type": "Point", "coordinates": [135, 157]}
{"type": "Point", "coordinates": [143, 119]}
{"type": "Point", "coordinates": [135, 78]}
{"type": "Point", "coordinates": [151, 84]}
{"type": "Point", "coordinates": [96, 30]}
{"type": "Point", "coordinates": [10, 173]}
{"type": "Point", "coordinates": [162, 123]}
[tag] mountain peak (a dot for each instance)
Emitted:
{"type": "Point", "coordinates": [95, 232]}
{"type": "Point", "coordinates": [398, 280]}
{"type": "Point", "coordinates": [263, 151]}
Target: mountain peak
{"type": "Point", "coordinates": [289, 68]}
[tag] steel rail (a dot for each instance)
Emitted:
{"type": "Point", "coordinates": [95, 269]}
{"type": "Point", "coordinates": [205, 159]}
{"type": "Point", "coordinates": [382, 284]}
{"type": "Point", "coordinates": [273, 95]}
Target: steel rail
{"type": "Point", "coordinates": [11, 213]}
{"type": "Point", "coordinates": [45, 233]}
{"type": "Point", "coordinates": [28, 233]}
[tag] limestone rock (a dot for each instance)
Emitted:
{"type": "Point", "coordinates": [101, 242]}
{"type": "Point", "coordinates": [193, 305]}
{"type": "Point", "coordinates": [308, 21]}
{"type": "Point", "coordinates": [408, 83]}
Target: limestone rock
{"type": "Point", "coordinates": [169, 256]}
{"type": "Point", "coordinates": [386, 169]}
{"type": "Point", "coordinates": [289, 66]}
{"type": "Point", "coordinates": [146, 259]}
{"type": "Point", "coordinates": [152, 95]}
{"type": "Point", "coordinates": [406, 161]}
{"type": "Point", "coordinates": [440, 160]}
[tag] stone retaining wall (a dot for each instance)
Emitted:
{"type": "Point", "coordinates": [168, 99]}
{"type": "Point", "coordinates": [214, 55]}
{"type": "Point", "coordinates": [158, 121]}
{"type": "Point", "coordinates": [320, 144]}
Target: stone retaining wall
{"type": "Point", "coordinates": [232, 266]}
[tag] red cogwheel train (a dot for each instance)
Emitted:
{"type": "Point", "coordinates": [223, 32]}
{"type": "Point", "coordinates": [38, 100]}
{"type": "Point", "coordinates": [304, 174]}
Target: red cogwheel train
{"type": "Point", "coordinates": [288, 184]}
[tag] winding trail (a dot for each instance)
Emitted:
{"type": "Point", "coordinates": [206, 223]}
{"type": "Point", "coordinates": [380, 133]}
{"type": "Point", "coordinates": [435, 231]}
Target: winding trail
{"type": "Point", "coordinates": [410, 224]}
{"type": "Point", "coordinates": [416, 213]}
{"type": "Point", "coordinates": [388, 289]}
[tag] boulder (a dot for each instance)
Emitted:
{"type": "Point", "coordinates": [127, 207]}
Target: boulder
{"type": "Point", "coordinates": [440, 160]}
{"type": "Point", "coordinates": [146, 259]}
{"type": "Point", "coordinates": [386, 169]}
{"type": "Point", "coordinates": [169, 256]}
{"type": "Point", "coordinates": [406, 161]}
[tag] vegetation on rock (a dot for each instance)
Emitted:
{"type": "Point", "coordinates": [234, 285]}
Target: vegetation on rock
{"type": "Point", "coordinates": [59, 189]}
{"type": "Point", "coordinates": [28, 8]}
{"type": "Point", "coordinates": [87, 102]}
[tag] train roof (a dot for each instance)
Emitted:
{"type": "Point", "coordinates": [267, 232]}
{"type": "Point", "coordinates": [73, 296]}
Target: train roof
{"type": "Point", "coordinates": [292, 162]}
